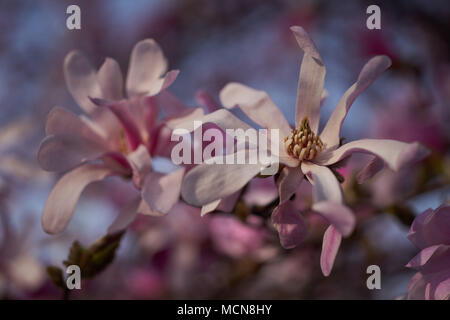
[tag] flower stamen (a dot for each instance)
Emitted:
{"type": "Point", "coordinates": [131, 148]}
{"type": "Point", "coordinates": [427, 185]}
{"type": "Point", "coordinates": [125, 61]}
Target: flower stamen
{"type": "Point", "coordinates": [302, 143]}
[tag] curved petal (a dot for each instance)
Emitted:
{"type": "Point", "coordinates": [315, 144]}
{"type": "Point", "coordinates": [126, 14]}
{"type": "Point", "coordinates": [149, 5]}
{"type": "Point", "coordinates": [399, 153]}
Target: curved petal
{"type": "Point", "coordinates": [206, 100]}
{"type": "Point", "coordinates": [224, 205]}
{"type": "Point", "coordinates": [63, 198]}
{"type": "Point", "coordinates": [325, 185]}
{"type": "Point", "coordinates": [338, 215]}
{"type": "Point", "coordinates": [290, 225]}
{"type": "Point", "coordinates": [373, 69]}
{"type": "Point", "coordinates": [125, 217]}
{"type": "Point", "coordinates": [256, 104]}
{"type": "Point", "coordinates": [110, 80]}
{"type": "Point", "coordinates": [61, 121]}
{"type": "Point", "coordinates": [431, 227]}
{"type": "Point", "coordinates": [330, 246]}
{"type": "Point", "coordinates": [424, 256]}
{"type": "Point", "coordinates": [171, 105]}
{"type": "Point", "coordinates": [141, 164]}
{"type": "Point", "coordinates": [162, 191]}
{"type": "Point", "coordinates": [288, 183]}
{"type": "Point", "coordinates": [147, 64]}
{"type": "Point", "coordinates": [394, 153]}
{"type": "Point", "coordinates": [310, 82]}
{"type": "Point", "coordinates": [372, 168]}
{"type": "Point", "coordinates": [81, 80]}
{"type": "Point", "coordinates": [63, 152]}
{"type": "Point", "coordinates": [209, 182]}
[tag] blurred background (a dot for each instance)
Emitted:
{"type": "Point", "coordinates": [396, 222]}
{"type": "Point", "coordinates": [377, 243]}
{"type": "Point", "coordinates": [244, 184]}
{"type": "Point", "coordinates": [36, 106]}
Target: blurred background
{"type": "Point", "coordinates": [213, 42]}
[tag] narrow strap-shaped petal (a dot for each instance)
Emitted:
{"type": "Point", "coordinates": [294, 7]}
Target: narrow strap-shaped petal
{"type": "Point", "coordinates": [162, 191]}
{"type": "Point", "coordinates": [288, 182]}
{"type": "Point", "coordinates": [110, 80]}
{"type": "Point", "coordinates": [141, 164]}
{"type": "Point", "coordinates": [372, 168]}
{"type": "Point", "coordinates": [147, 64]}
{"type": "Point", "coordinates": [209, 182]}
{"type": "Point", "coordinates": [81, 80]}
{"type": "Point", "coordinates": [206, 100]}
{"type": "Point", "coordinates": [310, 82]}
{"type": "Point", "coordinates": [125, 217]}
{"type": "Point", "coordinates": [63, 152]}
{"type": "Point", "coordinates": [337, 214]}
{"type": "Point", "coordinates": [330, 246]}
{"type": "Point", "coordinates": [372, 70]}
{"type": "Point", "coordinates": [394, 153]}
{"type": "Point", "coordinates": [290, 225]}
{"type": "Point", "coordinates": [325, 185]}
{"type": "Point", "coordinates": [257, 105]}
{"type": "Point", "coordinates": [63, 198]}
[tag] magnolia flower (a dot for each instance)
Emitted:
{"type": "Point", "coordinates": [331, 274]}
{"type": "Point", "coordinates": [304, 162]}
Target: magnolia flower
{"type": "Point", "coordinates": [304, 151]}
{"type": "Point", "coordinates": [117, 136]}
{"type": "Point", "coordinates": [430, 232]}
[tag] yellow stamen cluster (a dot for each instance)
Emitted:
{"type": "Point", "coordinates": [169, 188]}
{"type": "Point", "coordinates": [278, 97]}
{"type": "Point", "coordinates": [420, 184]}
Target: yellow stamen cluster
{"type": "Point", "coordinates": [302, 143]}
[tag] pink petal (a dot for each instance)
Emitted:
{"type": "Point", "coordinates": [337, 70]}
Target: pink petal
{"type": "Point", "coordinates": [110, 80]}
{"type": "Point", "coordinates": [147, 64]}
{"type": "Point", "coordinates": [171, 105]}
{"type": "Point", "coordinates": [431, 227]}
{"type": "Point", "coordinates": [260, 192]}
{"type": "Point", "coordinates": [371, 169]}
{"type": "Point", "coordinates": [288, 183]}
{"type": "Point", "coordinates": [206, 100]}
{"type": "Point", "coordinates": [141, 163]}
{"type": "Point", "coordinates": [325, 185]}
{"type": "Point", "coordinates": [81, 80]}
{"type": "Point", "coordinates": [209, 182]}
{"type": "Point", "coordinates": [338, 215]}
{"type": "Point", "coordinates": [310, 82]}
{"type": "Point", "coordinates": [63, 198]}
{"type": "Point", "coordinates": [394, 153]}
{"type": "Point", "coordinates": [372, 70]}
{"type": "Point", "coordinates": [423, 257]}
{"type": "Point", "coordinates": [122, 112]}
{"type": "Point", "coordinates": [162, 191]}
{"type": "Point", "coordinates": [125, 217]}
{"type": "Point", "coordinates": [289, 224]}
{"type": "Point", "coordinates": [63, 152]}
{"type": "Point", "coordinates": [224, 205]}
{"type": "Point", "coordinates": [257, 105]}
{"type": "Point", "coordinates": [330, 246]}
{"type": "Point", "coordinates": [61, 121]}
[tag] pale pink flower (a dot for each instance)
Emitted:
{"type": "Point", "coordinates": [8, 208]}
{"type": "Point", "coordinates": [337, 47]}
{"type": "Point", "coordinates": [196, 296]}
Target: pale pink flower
{"type": "Point", "coordinates": [430, 232]}
{"type": "Point", "coordinates": [303, 151]}
{"type": "Point", "coordinates": [117, 135]}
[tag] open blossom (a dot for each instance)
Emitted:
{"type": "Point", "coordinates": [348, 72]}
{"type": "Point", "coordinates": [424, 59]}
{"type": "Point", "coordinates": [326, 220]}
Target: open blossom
{"type": "Point", "coordinates": [117, 136]}
{"type": "Point", "coordinates": [303, 152]}
{"type": "Point", "coordinates": [430, 232]}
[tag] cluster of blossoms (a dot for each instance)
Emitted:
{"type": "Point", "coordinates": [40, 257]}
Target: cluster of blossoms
{"type": "Point", "coordinates": [120, 136]}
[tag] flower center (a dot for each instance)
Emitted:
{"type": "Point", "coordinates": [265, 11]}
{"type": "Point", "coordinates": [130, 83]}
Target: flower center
{"type": "Point", "coordinates": [302, 143]}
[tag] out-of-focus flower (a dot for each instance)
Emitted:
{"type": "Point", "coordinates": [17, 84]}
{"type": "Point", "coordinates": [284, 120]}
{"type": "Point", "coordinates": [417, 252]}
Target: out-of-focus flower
{"type": "Point", "coordinates": [302, 151]}
{"type": "Point", "coordinates": [119, 136]}
{"type": "Point", "coordinates": [235, 238]}
{"type": "Point", "coordinates": [430, 232]}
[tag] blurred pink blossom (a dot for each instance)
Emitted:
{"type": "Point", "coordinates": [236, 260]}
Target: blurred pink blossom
{"type": "Point", "coordinates": [430, 232]}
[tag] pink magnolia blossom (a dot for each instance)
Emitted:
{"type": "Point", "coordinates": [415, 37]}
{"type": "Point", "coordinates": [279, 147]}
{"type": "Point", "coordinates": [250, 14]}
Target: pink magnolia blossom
{"type": "Point", "coordinates": [117, 136]}
{"type": "Point", "coordinates": [303, 151]}
{"type": "Point", "coordinates": [430, 232]}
